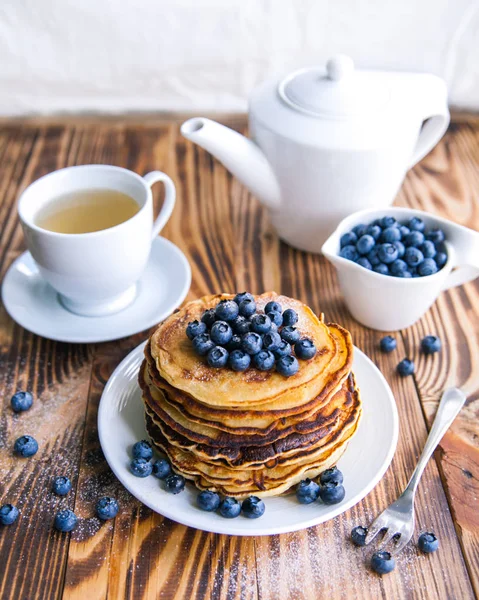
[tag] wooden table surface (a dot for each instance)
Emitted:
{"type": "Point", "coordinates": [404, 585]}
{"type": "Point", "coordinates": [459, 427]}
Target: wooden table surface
{"type": "Point", "coordinates": [229, 241]}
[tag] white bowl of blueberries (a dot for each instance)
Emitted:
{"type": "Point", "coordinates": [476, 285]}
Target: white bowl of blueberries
{"type": "Point", "coordinates": [393, 263]}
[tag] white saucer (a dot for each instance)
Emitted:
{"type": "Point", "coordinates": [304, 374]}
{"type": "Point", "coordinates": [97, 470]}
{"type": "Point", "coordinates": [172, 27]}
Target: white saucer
{"type": "Point", "coordinates": [34, 304]}
{"type": "Point", "coordinates": [121, 424]}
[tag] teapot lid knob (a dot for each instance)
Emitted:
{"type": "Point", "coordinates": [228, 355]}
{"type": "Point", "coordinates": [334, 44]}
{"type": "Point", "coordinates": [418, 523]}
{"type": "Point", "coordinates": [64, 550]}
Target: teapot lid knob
{"type": "Point", "coordinates": [339, 66]}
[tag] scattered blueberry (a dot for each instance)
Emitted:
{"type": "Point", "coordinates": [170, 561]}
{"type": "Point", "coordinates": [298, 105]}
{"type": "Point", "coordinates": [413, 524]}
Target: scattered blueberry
{"type": "Point", "coordinates": [253, 507]}
{"type": "Point", "coordinates": [387, 253]}
{"type": "Point", "coordinates": [271, 341]}
{"type": "Point", "coordinates": [388, 344]}
{"type": "Point", "coordinates": [25, 446]}
{"type": "Point", "coordinates": [386, 222]}
{"type": "Point", "coordinates": [332, 492]}
{"type": "Point", "coordinates": [348, 239]}
{"type": "Point", "coordinates": [140, 467]}
{"type": "Point", "coordinates": [359, 230]}
{"type": "Point", "coordinates": [260, 323]}
{"type": "Point", "coordinates": [251, 342]}
{"type": "Point", "coordinates": [239, 360]}
{"type": "Point", "coordinates": [8, 514]}
{"type": "Point", "coordinates": [364, 262]}
{"type": "Point", "coordinates": [430, 344]}
{"type": "Point", "coordinates": [398, 268]}
{"type": "Point", "coordinates": [234, 343]}
{"type": "Point", "coordinates": [275, 317]}
{"type": "Point", "coordinates": [413, 256]}
{"type": "Point", "coordinates": [290, 317]}
{"type": "Point", "coordinates": [390, 235]}
{"type": "Point", "coordinates": [415, 239]}
{"type": "Point", "coordinates": [264, 360]}
{"type": "Point", "coordinates": [202, 344]}
{"type": "Point", "coordinates": [307, 491]}
{"type": "Point", "coordinates": [229, 508]}
{"type": "Point", "coordinates": [142, 450]}
{"type": "Point", "coordinates": [226, 310]}
{"type": "Point", "coordinates": [365, 244]}
{"type": "Point", "coordinates": [208, 501]}
{"type": "Point", "coordinates": [358, 535]}
{"type": "Point", "coordinates": [273, 307]}
{"type": "Point", "coordinates": [427, 267]}
{"type": "Point", "coordinates": [287, 365]}
{"type": "Point", "coordinates": [243, 296]}
{"type": "Point", "coordinates": [107, 508]}
{"type": "Point", "coordinates": [382, 562]}
{"type": "Point", "coordinates": [217, 357]}
{"type": "Point", "coordinates": [332, 475]}
{"type": "Point", "coordinates": [284, 349]}
{"type": "Point", "coordinates": [349, 252]}
{"type": "Point", "coordinates": [21, 401]}
{"type": "Point", "coordinates": [175, 483]}
{"type": "Point", "coordinates": [416, 224]}
{"type": "Point", "coordinates": [305, 349]}
{"type": "Point", "coordinates": [195, 328]}
{"type": "Point", "coordinates": [209, 318]}
{"type": "Point", "coordinates": [161, 468]}
{"type": "Point", "coordinates": [381, 268]}
{"type": "Point", "coordinates": [405, 367]}
{"type": "Point", "coordinates": [247, 307]}
{"type": "Point", "coordinates": [65, 520]}
{"type": "Point", "coordinates": [428, 543]}
{"type": "Point", "coordinates": [290, 334]}
{"type": "Point", "coordinates": [221, 332]}
{"type": "Point", "coordinates": [435, 235]}
{"type": "Point", "coordinates": [61, 485]}
{"type": "Point", "coordinates": [428, 249]}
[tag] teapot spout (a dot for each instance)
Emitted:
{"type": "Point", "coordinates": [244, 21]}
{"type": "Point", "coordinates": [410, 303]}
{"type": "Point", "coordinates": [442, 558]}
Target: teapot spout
{"type": "Point", "coordinates": [238, 154]}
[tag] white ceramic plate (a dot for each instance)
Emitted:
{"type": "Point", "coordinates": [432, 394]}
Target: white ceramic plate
{"type": "Point", "coordinates": [121, 424]}
{"type": "Point", "coordinates": [34, 304]}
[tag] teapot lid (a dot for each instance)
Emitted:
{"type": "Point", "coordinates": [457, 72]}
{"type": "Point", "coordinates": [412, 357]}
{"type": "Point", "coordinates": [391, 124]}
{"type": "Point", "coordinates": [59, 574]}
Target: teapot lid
{"type": "Point", "coordinates": [337, 91]}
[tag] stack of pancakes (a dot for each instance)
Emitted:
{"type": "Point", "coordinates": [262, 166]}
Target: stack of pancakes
{"type": "Point", "coordinates": [253, 432]}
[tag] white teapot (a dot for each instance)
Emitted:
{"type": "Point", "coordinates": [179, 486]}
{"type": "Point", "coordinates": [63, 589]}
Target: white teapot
{"type": "Point", "coordinates": [328, 142]}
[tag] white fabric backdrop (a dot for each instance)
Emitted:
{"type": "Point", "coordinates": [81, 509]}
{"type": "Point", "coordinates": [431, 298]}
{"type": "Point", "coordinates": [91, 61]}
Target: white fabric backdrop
{"type": "Point", "coordinates": [206, 55]}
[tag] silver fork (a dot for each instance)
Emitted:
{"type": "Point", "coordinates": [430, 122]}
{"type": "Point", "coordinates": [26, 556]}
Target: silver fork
{"type": "Point", "coordinates": [398, 518]}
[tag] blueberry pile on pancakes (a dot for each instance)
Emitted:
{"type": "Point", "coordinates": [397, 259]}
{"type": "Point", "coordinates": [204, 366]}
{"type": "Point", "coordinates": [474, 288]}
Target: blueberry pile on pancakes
{"type": "Point", "coordinates": [253, 430]}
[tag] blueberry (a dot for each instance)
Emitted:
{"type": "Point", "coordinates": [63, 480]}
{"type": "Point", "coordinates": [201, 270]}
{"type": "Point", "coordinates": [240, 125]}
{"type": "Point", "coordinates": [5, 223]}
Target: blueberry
{"type": "Point", "coordinates": [390, 235]}
{"type": "Point", "coordinates": [247, 307]}
{"type": "Point", "coordinates": [161, 468]}
{"type": "Point", "coordinates": [428, 249]}
{"type": "Point", "coordinates": [175, 483]}
{"type": "Point", "coordinates": [387, 253]}
{"type": "Point", "coordinates": [381, 268]}
{"type": "Point", "coordinates": [140, 467]}
{"type": "Point", "coordinates": [61, 486]}
{"type": "Point", "coordinates": [413, 256]}
{"type": "Point", "coordinates": [274, 327]}
{"type": "Point", "coordinates": [195, 328]}
{"type": "Point", "coordinates": [276, 318]}
{"type": "Point", "coordinates": [241, 327]}
{"type": "Point", "coordinates": [400, 248]}
{"type": "Point", "coordinates": [284, 349]}
{"type": "Point", "coordinates": [65, 520]}
{"type": "Point", "coordinates": [332, 492]}
{"type": "Point", "coordinates": [253, 507]}
{"type": "Point", "coordinates": [398, 267]}
{"type": "Point", "coordinates": [21, 401]}
{"type": "Point", "coordinates": [305, 349]}
{"type": "Point", "coordinates": [218, 357]}
{"type": "Point", "coordinates": [428, 543]}
{"type": "Point", "coordinates": [347, 239]}
{"type": "Point", "coordinates": [229, 508]}
{"type": "Point", "coordinates": [290, 317]}
{"type": "Point", "coordinates": [415, 238]}
{"type": "Point", "coordinates": [251, 342]}
{"type": "Point", "coordinates": [202, 344]}
{"type": "Point", "coordinates": [273, 307]}
{"type": "Point", "coordinates": [234, 343]}
{"type": "Point", "coordinates": [416, 224]}
{"type": "Point", "coordinates": [226, 310]}
{"type": "Point", "coordinates": [260, 323]}
{"type": "Point", "coordinates": [365, 244]}
{"type": "Point", "coordinates": [405, 367]}
{"type": "Point", "coordinates": [349, 253]}
{"type": "Point", "coordinates": [382, 562]}
{"type": "Point", "coordinates": [208, 318]}
{"type": "Point", "coordinates": [208, 501]}
{"type": "Point", "coordinates": [243, 296]}
{"type": "Point", "coordinates": [264, 360]}
{"type": "Point", "coordinates": [332, 475]}
{"type": "Point", "coordinates": [239, 360]}
{"type": "Point", "coordinates": [430, 344]}
{"type": "Point", "coordinates": [404, 275]}
{"type": "Point", "coordinates": [359, 230]}
{"type": "Point", "coordinates": [358, 535]}
{"type": "Point", "coordinates": [221, 333]}
{"type": "Point", "coordinates": [364, 262]}
{"type": "Point", "coordinates": [8, 514]}
{"type": "Point", "coordinates": [388, 344]}
{"type": "Point", "coordinates": [290, 334]}
{"type": "Point", "coordinates": [287, 365]}
{"type": "Point", "coordinates": [404, 230]}
{"type": "Point", "coordinates": [374, 231]}
{"type": "Point", "coordinates": [441, 259]}
{"type": "Point", "coordinates": [435, 235]}
{"type": "Point", "coordinates": [25, 446]}
{"type": "Point", "coordinates": [307, 491]}
{"type": "Point", "coordinates": [107, 508]}
{"type": "Point", "coordinates": [386, 222]}
{"type": "Point", "coordinates": [373, 256]}
{"type": "Point", "coordinates": [427, 267]}
{"type": "Point", "coordinates": [271, 341]}
{"type": "Point", "coordinates": [142, 450]}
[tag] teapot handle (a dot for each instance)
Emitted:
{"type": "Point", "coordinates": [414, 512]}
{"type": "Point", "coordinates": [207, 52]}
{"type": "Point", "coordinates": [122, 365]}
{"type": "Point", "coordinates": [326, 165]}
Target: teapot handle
{"type": "Point", "coordinates": [433, 94]}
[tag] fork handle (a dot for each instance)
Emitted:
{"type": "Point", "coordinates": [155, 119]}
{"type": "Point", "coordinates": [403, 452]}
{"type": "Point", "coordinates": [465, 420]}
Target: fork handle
{"type": "Point", "coordinates": [451, 403]}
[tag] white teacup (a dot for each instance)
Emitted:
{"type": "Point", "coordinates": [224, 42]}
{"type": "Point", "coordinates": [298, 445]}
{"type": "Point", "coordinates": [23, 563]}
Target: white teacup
{"type": "Point", "coordinates": [391, 303]}
{"type": "Point", "coordinates": [95, 273]}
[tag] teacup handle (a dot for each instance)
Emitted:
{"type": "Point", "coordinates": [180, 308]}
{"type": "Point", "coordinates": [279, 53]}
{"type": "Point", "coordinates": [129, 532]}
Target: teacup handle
{"type": "Point", "coordinates": [466, 250]}
{"type": "Point", "coordinates": [169, 202]}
